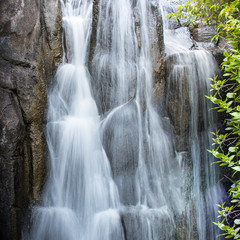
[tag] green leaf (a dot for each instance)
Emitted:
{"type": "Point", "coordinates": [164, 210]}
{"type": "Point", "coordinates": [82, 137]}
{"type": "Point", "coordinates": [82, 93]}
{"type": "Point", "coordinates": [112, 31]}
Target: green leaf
{"type": "Point", "coordinates": [237, 168]}
{"type": "Point", "coordinates": [237, 221]}
{"type": "Point", "coordinates": [235, 114]}
{"type": "Point", "coordinates": [233, 149]}
{"type": "Point", "coordinates": [231, 95]}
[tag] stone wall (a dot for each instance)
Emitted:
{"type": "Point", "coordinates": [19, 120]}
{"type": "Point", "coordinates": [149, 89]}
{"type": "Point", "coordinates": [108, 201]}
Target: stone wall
{"type": "Point", "coordinates": [30, 50]}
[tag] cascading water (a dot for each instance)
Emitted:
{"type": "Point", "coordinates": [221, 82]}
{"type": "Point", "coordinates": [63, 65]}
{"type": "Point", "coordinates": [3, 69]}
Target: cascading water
{"type": "Point", "coordinates": [189, 70]}
{"type": "Point", "coordinates": [80, 192]}
{"type": "Point", "coordinates": [120, 176]}
{"type": "Point", "coordinates": [145, 166]}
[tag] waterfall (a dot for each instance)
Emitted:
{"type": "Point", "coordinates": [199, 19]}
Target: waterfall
{"type": "Point", "coordinates": [189, 69]}
{"type": "Point", "coordinates": [144, 163]}
{"type": "Point", "coordinates": [80, 191]}
{"type": "Point", "coordinates": [116, 171]}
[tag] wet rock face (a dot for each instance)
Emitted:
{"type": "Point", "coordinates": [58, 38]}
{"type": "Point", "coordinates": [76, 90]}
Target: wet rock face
{"type": "Point", "coordinates": [203, 32]}
{"type": "Point", "coordinates": [177, 101]}
{"type": "Point", "coordinates": [158, 56]}
{"type": "Point", "coordinates": [122, 150]}
{"type": "Point", "coordinates": [30, 49]}
{"type": "Point", "coordinates": [11, 147]}
{"type": "Point", "coordinates": [142, 224]}
{"type": "Point", "coordinates": [12, 128]}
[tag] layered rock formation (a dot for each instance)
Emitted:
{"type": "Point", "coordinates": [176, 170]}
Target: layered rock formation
{"type": "Point", "coordinates": [30, 49]}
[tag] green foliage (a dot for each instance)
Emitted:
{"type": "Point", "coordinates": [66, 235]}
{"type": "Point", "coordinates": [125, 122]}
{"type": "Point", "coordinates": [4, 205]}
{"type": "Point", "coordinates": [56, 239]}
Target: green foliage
{"type": "Point", "coordinates": [226, 15]}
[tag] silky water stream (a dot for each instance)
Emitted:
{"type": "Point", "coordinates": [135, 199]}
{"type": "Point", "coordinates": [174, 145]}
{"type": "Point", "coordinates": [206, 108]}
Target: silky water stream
{"type": "Point", "coordinates": [189, 69]}
{"type": "Point", "coordinates": [115, 171]}
{"type": "Point", "coordinates": [80, 191]}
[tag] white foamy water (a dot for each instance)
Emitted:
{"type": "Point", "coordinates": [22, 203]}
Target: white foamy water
{"type": "Point", "coordinates": [190, 71]}
{"type": "Point", "coordinates": [145, 165]}
{"type": "Point", "coordinates": [118, 175]}
{"type": "Point", "coordinates": [80, 187]}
